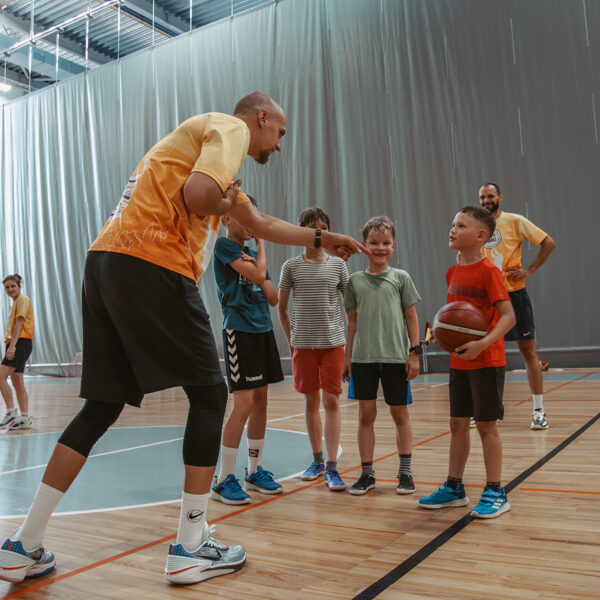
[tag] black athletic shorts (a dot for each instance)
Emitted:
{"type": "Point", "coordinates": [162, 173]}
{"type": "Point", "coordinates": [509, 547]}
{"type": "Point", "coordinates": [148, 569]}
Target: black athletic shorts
{"type": "Point", "coordinates": [524, 328]}
{"type": "Point", "coordinates": [365, 378]}
{"type": "Point", "coordinates": [23, 349]}
{"type": "Point", "coordinates": [477, 393]}
{"type": "Point", "coordinates": [251, 359]}
{"type": "Point", "coordinates": [145, 329]}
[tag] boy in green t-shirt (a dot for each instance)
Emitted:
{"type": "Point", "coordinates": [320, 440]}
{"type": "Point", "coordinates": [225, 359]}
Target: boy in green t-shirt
{"type": "Point", "coordinates": [383, 345]}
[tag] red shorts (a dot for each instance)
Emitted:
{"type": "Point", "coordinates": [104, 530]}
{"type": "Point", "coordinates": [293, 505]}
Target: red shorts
{"type": "Point", "coordinates": [318, 368]}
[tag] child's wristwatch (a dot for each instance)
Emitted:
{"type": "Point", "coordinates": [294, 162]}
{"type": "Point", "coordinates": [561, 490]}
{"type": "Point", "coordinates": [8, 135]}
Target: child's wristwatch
{"type": "Point", "coordinates": [318, 238]}
{"type": "Point", "coordinates": [418, 349]}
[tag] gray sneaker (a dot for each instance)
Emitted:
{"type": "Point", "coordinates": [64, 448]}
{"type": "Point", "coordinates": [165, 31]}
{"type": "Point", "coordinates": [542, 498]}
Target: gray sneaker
{"type": "Point", "coordinates": [539, 420]}
{"type": "Point", "coordinates": [211, 559]}
{"type": "Point", "coordinates": [16, 563]}
{"type": "Point", "coordinates": [8, 419]}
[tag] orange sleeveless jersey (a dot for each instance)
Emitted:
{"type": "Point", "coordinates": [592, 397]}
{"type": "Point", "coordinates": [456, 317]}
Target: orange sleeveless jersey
{"type": "Point", "coordinates": [21, 307]}
{"type": "Point", "coordinates": [151, 221]}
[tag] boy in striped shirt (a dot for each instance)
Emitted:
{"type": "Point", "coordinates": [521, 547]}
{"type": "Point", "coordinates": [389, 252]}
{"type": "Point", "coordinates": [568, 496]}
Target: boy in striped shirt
{"type": "Point", "coordinates": [315, 334]}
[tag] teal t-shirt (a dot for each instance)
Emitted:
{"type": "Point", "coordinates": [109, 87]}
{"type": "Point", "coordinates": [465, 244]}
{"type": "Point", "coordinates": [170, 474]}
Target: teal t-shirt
{"type": "Point", "coordinates": [380, 301]}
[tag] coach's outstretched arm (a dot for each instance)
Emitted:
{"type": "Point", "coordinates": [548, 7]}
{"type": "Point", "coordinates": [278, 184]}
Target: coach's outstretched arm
{"type": "Point", "coordinates": [278, 231]}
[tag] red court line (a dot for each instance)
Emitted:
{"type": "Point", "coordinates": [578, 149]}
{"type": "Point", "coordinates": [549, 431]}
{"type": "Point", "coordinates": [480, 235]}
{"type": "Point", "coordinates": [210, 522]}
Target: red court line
{"type": "Point", "coordinates": [47, 582]}
{"type": "Point", "coordinates": [558, 387]}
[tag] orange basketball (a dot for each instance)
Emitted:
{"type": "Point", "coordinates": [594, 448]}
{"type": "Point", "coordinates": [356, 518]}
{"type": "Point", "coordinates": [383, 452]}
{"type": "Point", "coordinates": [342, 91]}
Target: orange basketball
{"type": "Point", "coordinates": [457, 323]}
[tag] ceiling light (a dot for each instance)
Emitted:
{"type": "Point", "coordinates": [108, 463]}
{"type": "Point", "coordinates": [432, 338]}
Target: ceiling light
{"type": "Point", "coordinates": [4, 87]}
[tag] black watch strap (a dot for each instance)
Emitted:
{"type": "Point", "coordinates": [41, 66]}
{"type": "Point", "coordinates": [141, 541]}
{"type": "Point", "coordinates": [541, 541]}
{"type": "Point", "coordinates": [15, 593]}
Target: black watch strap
{"type": "Point", "coordinates": [318, 238]}
{"type": "Point", "coordinates": [418, 349]}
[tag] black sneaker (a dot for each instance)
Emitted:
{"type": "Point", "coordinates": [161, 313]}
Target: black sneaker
{"type": "Point", "coordinates": [406, 485]}
{"type": "Point", "coordinates": [365, 483]}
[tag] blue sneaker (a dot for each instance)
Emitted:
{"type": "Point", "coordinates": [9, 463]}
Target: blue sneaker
{"type": "Point", "coordinates": [16, 563]}
{"type": "Point", "coordinates": [445, 496]}
{"type": "Point", "coordinates": [491, 505]}
{"type": "Point", "coordinates": [315, 470]}
{"type": "Point", "coordinates": [333, 480]}
{"type": "Point", "coordinates": [229, 491]}
{"type": "Point", "coordinates": [262, 481]}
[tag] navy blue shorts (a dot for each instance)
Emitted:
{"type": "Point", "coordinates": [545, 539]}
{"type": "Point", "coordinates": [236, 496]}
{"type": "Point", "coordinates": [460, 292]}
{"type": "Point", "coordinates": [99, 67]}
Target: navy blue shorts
{"type": "Point", "coordinates": [23, 349]}
{"type": "Point", "coordinates": [477, 393]}
{"type": "Point", "coordinates": [145, 329]}
{"type": "Point", "coordinates": [365, 378]}
{"type": "Point", "coordinates": [524, 328]}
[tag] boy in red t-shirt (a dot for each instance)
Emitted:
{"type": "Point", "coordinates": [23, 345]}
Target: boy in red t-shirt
{"type": "Point", "coordinates": [476, 368]}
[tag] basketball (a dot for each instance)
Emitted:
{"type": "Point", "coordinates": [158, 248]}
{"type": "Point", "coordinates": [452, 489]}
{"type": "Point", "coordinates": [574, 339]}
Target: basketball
{"type": "Point", "coordinates": [457, 323]}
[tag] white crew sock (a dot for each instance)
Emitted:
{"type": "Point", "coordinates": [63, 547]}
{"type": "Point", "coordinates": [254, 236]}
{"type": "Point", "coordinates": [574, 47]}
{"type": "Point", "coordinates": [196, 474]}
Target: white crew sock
{"type": "Point", "coordinates": [538, 401]}
{"type": "Point", "coordinates": [255, 450]}
{"type": "Point", "coordinates": [228, 458]}
{"type": "Point", "coordinates": [192, 518]}
{"type": "Point", "coordinates": [31, 533]}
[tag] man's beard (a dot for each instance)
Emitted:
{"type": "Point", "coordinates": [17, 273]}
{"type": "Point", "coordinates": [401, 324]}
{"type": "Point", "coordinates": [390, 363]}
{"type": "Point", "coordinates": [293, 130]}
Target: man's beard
{"type": "Point", "coordinates": [492, 206]}
{"type": "Point", "coordinates": [263, 157]}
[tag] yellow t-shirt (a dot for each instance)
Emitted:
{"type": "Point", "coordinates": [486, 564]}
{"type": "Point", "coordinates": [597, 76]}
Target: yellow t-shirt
{"type": "Point", "coordinates": [504, 247]}
{"type": "Point", "coordinates": [151, 221]}
{"type": "Point", "coordinates": [21, 307]}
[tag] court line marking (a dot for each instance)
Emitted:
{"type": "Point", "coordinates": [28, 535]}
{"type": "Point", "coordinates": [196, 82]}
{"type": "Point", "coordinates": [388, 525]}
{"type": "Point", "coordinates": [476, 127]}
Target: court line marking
{"type": "Point", "coordinates": [50, 581]}
{"type": "Point", "coordinates": [418, 557]}
{"type": "Point", "coordinates": [557, 387]}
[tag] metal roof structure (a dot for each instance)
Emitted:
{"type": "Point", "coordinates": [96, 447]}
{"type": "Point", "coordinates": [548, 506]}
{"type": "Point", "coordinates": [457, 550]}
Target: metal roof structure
{"type": "Point", "coordinates": [45, 41]}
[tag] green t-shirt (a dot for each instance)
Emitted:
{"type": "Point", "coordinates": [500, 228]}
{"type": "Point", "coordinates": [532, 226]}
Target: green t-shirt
{"type": "Point", "coordinates": [380, 301]}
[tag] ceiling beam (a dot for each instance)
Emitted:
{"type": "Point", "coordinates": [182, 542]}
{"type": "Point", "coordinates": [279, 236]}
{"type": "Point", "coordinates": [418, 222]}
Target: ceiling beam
{"type": "Point", "coordinates": [163, 20]}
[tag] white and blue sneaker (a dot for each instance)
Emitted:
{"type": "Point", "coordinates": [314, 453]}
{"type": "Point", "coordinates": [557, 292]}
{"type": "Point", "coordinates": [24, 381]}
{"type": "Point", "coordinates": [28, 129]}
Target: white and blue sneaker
{"type": "Point", "coordinates": [333, 480]}
{"type": "Point", "coordinates": [16, 563]}
{"type": "Point", "coordinates": [262, 481]}
{"type": "Point", "coordinates": [491, 504]}
{"type": "Point", "coordinates": [8, 419]}
{"type": "Point", "coordinates": [211, 559]}
{"type": "Point", "coordinates": [315, 470]}
{"type": "Point", "coordinates": [229, 491]}
{"type": "Point", "coordinates": [445, 496]}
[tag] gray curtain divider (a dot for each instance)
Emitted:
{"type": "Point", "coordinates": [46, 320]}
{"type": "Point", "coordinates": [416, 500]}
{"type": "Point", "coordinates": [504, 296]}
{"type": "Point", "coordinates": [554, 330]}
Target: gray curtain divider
{"type": "Point", "coordinates": [397, 107]}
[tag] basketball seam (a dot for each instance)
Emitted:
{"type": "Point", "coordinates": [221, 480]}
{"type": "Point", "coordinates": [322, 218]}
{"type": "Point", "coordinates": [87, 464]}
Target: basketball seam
{"type": "Point", "coordinates": [458, 328]}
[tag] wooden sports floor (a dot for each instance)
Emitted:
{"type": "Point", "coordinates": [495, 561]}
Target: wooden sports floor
{"type": "Point", "coordinates": [311, 543]}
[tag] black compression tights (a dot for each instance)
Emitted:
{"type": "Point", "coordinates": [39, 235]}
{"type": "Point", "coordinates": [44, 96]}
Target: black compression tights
{"type": "Point", "coordinates": [202, 435]}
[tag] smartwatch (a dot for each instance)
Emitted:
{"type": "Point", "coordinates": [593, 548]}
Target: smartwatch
{"type": "Point", "coordinates": [318, 238]}
{"type": "Point", "coordinates": [418, 349]}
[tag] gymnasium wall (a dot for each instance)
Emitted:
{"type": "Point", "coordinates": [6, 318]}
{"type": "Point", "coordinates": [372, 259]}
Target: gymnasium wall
{"type": "Point", "coordinates": [399, 107]}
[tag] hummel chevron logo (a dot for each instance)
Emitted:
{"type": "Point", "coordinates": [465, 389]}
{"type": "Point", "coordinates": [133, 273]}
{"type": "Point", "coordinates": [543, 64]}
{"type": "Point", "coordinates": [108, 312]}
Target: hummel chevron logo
{"type": "Point", "coordinates": [234, 368]}
{"type": "Point", "coordinates": [231, 349]}
{"type": "Point", "coordinates": [234, 377]}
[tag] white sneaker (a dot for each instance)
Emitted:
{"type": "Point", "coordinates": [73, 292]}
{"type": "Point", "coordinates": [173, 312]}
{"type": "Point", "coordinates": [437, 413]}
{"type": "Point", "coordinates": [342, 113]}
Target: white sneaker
{"type": "Point", "coordinates": [8, 419]}
{"type": "Point", "coordinates": [16, 563]}
{"type": "Point", "coordinates": [21, 422]}
{"type": "Point", "coordinates": [211, 559]}
{"type": "Point", "coordinates": [539, 420]}
{"type": "Point", "coordinates": [472, 423]}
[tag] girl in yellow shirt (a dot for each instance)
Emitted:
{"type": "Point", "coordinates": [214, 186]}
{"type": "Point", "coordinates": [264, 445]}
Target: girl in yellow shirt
{"type": "Point", "coordinates": [19, 343]}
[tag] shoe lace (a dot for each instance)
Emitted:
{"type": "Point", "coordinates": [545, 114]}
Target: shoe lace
{"type": "Point", "coordinates": [263, 475]}
{"type": "Point", "coordinates": [334, 476]}
{"type": "Point", "coordinates": [232, 483]}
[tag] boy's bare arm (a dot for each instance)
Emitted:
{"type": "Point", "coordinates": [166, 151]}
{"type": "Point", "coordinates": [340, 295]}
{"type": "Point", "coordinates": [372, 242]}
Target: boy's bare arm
{"type": "Point", "coordinates": [352, 322]}
{"type": "Point", "coordinates": [270, 292]}
{"type": "Point", "coordinates": [412, 322]}
{"type": "Point", "coordinates": [504, 325]}
{"type": "Point", "coordinates": [284, 314]}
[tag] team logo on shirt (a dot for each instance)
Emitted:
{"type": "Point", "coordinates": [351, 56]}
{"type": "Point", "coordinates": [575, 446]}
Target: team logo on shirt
{"type": "Point", "coordinates": [494, 240]}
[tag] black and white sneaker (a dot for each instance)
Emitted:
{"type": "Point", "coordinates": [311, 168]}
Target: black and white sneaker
{"type": "Point", "coordinates": [539, 420]}
{"type": "Point", "coordinates": [365, 483]}
{"type": "Point", "coordinates": [406, 485]}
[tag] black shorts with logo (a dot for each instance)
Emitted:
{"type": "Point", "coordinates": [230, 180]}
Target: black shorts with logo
{"type": "Point", "coordinates": [145, 329]}
{"type": "Point", "coordinates": [524, 328]}
{"type": "Point", "coordinates": [251, 359]}
{"type": "Point", "coordinates": [23, 349]}
{"type": "Point", "coordinates": [477, 393]}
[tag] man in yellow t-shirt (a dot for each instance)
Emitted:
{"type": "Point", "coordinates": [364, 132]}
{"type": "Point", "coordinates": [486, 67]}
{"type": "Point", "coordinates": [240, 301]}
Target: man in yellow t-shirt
{"type": "Point", "coordinates": [504, 250]}
{"type": "Point", "coordinates": [145, 327]}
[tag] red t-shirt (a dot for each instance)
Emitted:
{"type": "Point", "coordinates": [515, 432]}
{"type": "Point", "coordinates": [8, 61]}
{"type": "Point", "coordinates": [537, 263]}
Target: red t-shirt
{"type": "Point", "coordinates": [480, 284]}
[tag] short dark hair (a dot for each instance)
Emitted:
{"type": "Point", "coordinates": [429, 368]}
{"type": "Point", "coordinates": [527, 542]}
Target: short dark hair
{"type": "Point", "coordinates": [378, 223]}
{"type": "Point", "coordinates": [312, 214]}
{"type": "Point", "coordinates": [16, 277]}
{"type": "Point", "coordinates": [254, 101]}
{"type": "Point", "coordinates": [494, 184]}
{"type": "Point", "coordinates": [481, 215]}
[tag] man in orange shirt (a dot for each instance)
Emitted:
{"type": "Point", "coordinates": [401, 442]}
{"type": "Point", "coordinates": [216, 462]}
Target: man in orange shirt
{"type": "Point", "coordinates": [504, 250]}
{"type": "Point", "coordinates": [145, 327]}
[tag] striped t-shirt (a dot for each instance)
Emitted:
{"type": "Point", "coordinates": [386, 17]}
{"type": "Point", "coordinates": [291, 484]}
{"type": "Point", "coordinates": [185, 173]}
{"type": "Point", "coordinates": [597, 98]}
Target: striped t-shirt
{"type": "Point", "coordinates": [316, 317]}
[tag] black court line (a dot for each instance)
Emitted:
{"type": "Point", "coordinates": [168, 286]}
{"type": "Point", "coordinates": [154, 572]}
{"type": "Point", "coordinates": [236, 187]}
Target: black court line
{"type": "Point", "coordinates": [412, 561]}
